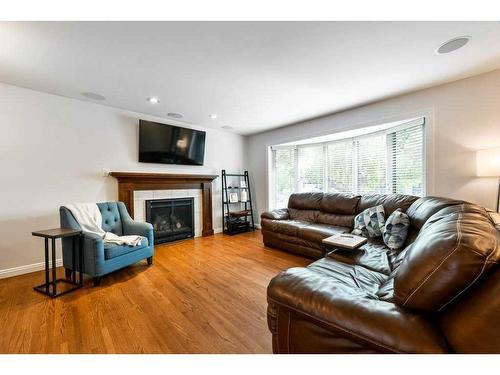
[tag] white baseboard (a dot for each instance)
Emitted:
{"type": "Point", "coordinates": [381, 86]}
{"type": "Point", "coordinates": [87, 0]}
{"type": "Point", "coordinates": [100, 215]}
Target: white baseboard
{"type": "Point", "coordinates": [21, 270]}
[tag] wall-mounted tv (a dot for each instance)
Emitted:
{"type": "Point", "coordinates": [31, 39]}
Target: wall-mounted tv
{"type": "Point", "coordinates": [169, 144]}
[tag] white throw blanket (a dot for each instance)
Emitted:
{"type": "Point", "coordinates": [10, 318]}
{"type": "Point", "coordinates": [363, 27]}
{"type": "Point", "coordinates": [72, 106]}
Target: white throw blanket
{"type": "Point", "coordinates": [90, 219]}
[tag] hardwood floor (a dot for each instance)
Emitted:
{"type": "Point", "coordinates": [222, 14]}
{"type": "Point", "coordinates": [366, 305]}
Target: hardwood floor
{"type": "Point", "coordinates": [206, 295]}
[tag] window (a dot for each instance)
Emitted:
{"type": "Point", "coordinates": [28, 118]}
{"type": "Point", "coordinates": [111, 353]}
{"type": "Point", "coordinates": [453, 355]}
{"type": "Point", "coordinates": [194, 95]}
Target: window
{"type": "Point", "coordinates": [388, 161]}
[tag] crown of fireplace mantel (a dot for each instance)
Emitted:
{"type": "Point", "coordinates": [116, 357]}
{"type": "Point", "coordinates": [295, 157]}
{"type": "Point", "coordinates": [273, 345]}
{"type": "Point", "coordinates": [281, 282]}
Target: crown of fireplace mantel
{"type": "Point", "coordinates": [128, 182]}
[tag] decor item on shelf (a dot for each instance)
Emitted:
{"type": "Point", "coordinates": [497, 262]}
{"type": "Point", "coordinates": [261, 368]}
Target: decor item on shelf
{"type": "Point", "coordinates": [243, 196]}
{"type": "Point", "coordinates": [241, 213]}
{"type": "Point", "coordinates": [488, 165]}
{"type": "Point", "coordinates": [237, 210]}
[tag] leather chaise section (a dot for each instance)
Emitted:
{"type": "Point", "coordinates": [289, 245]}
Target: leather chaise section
{"type": "Point", "coordinates": [342, 299]}
{"type": "Point", "coordinates": [374, 255]}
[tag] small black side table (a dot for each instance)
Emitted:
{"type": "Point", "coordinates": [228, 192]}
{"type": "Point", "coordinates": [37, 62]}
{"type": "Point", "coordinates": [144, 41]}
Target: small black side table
{"type": "Point", "coordinates": [49, 288]}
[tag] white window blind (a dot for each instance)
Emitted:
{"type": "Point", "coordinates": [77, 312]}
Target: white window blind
{"type": "Point", "coordinates": [371, 164]}
{"type": "Point", "coordinates": [311, 160]}
{"type": "Point", "coordinates": [340, 166]}
{"type": "Point", "coordinates": [389, 161]}
{"type": "Point", "coordinates": [406, 151]}
{"type": "Point", "coordinates": [284, 175]}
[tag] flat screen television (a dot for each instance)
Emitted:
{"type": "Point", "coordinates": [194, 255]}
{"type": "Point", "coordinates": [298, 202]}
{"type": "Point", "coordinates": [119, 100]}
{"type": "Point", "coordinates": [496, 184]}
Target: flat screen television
{"type": "Point", "coordinates": [169, 144]}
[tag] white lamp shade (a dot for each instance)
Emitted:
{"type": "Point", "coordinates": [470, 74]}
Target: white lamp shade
{"type": "Point", "coordinates": [488, 162]}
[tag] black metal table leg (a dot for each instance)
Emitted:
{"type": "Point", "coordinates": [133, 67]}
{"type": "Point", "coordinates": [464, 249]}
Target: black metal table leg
{"type": "Point", "coordinates": [54, 276]}
{"type": "Point", "coordinates": [46, 265]}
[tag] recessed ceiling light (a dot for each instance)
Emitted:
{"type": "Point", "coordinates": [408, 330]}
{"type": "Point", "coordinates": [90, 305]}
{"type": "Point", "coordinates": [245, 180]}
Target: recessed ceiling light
{"type": "Point", "coordinates": [93, 96]}
{"type": "Point", "coordinates": [212, 116]}
{"type": "Point", "coordinates": [153, 100]}
{"type": "Point", "coordinates": [227, 127]}
{"type": "Point", "coordinates": [174, 115]}
{"type": "Point", "coordinates": [453, 44]}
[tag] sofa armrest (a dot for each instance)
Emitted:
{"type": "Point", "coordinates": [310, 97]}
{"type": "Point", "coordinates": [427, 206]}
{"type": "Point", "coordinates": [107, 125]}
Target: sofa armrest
{"type": "Point", "coordinates": [93, 253]}
{"type": "Point", "coordinates": [132, 227]}
{"type": "Point", "coordinates": [278, 214]}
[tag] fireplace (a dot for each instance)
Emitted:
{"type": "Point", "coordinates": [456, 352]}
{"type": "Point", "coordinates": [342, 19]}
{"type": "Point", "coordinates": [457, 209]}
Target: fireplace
{"type": "Point", "coordinates": [172, 219]}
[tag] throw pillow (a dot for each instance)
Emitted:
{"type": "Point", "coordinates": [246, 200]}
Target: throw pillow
{"type": "Point", "coordinates": [370, 222]}
{"type": "Point", "coordinates": [396, 229]}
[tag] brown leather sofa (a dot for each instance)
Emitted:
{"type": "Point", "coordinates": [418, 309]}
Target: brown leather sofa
{"type": "Point", "coordinates": [439, 294]}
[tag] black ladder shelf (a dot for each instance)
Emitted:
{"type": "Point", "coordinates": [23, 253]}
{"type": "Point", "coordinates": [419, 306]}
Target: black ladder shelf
{"type": "Point", "coordinates": [236, 221]}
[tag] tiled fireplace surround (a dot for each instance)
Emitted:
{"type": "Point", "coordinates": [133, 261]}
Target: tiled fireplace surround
{"type": "Point", "coordinates": [141, 196]}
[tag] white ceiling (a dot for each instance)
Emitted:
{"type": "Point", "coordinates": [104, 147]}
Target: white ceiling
{"type": "Point", "coordinates": [254, 75]}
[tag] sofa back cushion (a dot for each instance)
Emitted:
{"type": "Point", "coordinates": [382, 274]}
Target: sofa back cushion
{"type": "Point", "coordinates": [423, 208]}
{"type": "Point", "coordinates": [339, 203]}
{"type": "Point", "coordinates": [338, 209]}
{"type": "Point", "coordinates": [305, 201]}
{"type": "Point", "coordinates": [454, 248]}
{"type": "Point", "coordinates": [111, 219]}
{"type": "Point", "coordinates": [391, 202]}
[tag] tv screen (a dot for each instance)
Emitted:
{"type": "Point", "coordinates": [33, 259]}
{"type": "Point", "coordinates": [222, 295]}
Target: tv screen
{"type": "Point", "coordinates": [169, 144]}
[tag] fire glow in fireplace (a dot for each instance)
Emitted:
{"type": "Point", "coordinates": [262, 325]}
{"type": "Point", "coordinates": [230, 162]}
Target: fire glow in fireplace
{"type": "Point", "coordinates": [172, 219]}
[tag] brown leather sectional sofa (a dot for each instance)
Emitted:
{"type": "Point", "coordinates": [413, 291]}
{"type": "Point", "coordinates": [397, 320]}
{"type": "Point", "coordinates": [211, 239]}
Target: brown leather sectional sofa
{"type": "Point", "coordinates": [439, 294]}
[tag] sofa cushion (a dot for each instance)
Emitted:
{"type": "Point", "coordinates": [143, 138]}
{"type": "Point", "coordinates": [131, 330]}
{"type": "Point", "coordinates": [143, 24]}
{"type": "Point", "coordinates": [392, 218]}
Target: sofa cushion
{"type": "Point", "coordinates": [373, 255]}
{"type": "Point", "coordinates": [395, 230]}
{"type": "Point", "coordinates": [111, 219]}
{"type": "Point", "coordinates": [370, 222]}
{"type": "Point", "coordinates": [339, 203]}
{"type": "Point", "coordinates": [335, 219]}
{"type": "Point", "coordinates": [391, 202]}
{"type": "Point", "coordinates": [342, 298]}
{"type": "Point", "coordinates": [317, 232]}
{"type": "Point", "coordinates": [303, 215]}
{"type": "Point", "coordinates": [288, 227]}
{"type": "Point", "coordinates": [112, 250]}
{"type": "Point", "coordinates": [454, 248]}
{"type": "Point", "coordinates": [305, 201]}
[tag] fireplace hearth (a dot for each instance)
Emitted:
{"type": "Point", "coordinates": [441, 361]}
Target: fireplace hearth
{"type": "Point", "coordinates": [172, 219]}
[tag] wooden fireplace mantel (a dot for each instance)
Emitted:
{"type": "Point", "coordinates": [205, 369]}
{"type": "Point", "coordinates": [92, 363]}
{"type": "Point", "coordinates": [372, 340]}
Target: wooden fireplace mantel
{"type": "Point", "coordinates": [128, 182]}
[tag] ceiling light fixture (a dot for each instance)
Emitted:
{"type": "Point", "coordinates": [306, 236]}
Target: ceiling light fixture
{"type": "Point", "coordinates": [153, 100]}
{"type": "Point", "coordinates": [227, 127]}
{"type": "Point", "coordinates": [93, 96]}
{"type": "Point", "coordinates": [174, 115]}
{"type": "Point", "coordinates": [213, 116]}
{"type": "Point", "coordinates": [453, 44]}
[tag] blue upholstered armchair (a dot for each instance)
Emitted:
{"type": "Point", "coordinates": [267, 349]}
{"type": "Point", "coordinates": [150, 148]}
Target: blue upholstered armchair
{"type": "Point", "coordinates": [101, 258]}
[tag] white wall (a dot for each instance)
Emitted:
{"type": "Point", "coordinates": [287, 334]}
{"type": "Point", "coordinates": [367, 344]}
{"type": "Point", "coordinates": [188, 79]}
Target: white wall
{"type": "Point", "coordinates": [52, 152]}
{"type": "Point", "coordinates": [464, 116]}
